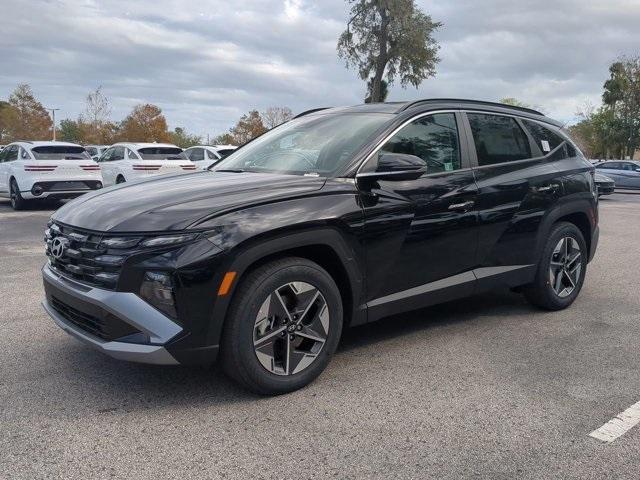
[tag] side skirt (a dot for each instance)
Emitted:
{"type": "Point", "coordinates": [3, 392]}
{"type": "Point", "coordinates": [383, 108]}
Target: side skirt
{"type": "Point", "coordinates": [450, 288]}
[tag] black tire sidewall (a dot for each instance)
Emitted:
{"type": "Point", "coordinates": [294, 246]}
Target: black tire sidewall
{"type": "Point", "coordinates": [546, 292]}
{"type": "Point", "coordinates": [238, 351]}
{"type": "Point", "coordinates": [19, 201]}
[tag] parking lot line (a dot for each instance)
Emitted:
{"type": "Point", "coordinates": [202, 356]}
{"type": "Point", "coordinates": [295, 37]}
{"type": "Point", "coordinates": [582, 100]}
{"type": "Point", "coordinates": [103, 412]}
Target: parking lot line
{"type": "Point", "coordinates": [619, 425]}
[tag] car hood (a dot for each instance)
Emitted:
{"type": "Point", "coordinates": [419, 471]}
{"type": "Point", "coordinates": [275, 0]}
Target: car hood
{"type": "Point", "coordinates": [599, 177]}
{"type": "Point", "coordinates": [178, 202]}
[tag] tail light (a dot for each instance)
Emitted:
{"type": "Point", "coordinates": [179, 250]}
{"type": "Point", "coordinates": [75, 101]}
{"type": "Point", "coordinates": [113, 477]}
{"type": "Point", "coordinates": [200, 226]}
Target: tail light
{"type": "Point", "coordinates": [39, 168]}
{"type": "Point", "coordinates": [146, 168]}
{"type": "Point", "coordinates": [90, 168]}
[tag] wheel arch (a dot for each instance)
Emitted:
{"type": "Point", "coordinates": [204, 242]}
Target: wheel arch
{"type": "Point", "coordinates": [580, 213]}
{"type": "Point", "coordinates": [324, 246]}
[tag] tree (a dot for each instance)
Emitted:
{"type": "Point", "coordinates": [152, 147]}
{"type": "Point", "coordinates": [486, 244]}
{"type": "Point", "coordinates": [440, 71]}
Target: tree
{"type": "Point", "coordinates": [275, 116]}
{"type": "Point", "coordinates": [248, 127]}
{"type": "Point", "coordinates": [26, 119]}
{"type": "Point", "coordinates": [94, 121]}
{"type": "Point", "coordinates": [182, 139]}
{"type": "Point", "coordinates": [145, 123]}
{"type": "Point", "coordinates": [514, 102]}
{"type": "Point", "coordinates": [384, 91]}
{"type": "Point", "coordinates": [8, 120]}
{"type": "Point", "coordinates": [389, 36]}
{"type": "Point", "coordinates": [622, 98]}
{"type": "Point", "coordinates": [70, 131]}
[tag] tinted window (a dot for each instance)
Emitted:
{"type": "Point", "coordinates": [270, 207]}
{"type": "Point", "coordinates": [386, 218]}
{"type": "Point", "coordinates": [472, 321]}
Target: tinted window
{"type": "Point", "coordinates": [106, 156]}
{"type": "Point", "coordinates": [498, 139]}
{"type": "Point", "coordinates": [161, 153]}
{"type": "Point", "coordinates": [433, 138]}
{"type": "Point", "coordinates": [24, 155]}
{"type": "Point", "coordinates": [60, 152]}
{"type": "Point", "coordinates": [197, 154]}
{"type": "Point", "coordinates": [12, 153]}
{"type": "Point", "coordinates": [92, 151]}
{"type": "Point", "coordinates": [611, 165]}
{"type": "Point", "coordinates": [225, 152]}
{"type": "Point", "coordinates": [118, 153]}
{"type": "Point", "coordinates": [132, 155]}
{"type": "Point", "coordinates": [546, 139]}
{"type": "Point", "coordinates": [211, 155]}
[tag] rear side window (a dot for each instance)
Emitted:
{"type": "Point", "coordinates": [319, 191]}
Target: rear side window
{"type": "Point", "coordinates": [498, 139]}
{"type": "Point", "coordinates": [225, 152]}
{"type": "Point", "coordinates": [546, 139]}
{"type": "Point", "coordinates": [118, 153]}
{"type": "Point", "coordinates": [60, 152]}
{"type": "Point", "coordinates": [197, 154]}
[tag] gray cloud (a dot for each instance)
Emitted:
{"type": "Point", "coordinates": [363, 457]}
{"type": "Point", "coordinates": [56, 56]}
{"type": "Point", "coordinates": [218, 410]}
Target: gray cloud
{"type": "Point", "coordinates": [206, 63]}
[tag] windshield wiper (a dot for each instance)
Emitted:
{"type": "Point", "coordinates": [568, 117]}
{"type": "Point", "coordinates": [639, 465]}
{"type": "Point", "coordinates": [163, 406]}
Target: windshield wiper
{"type": "Point", "coordinates": [232, 170]}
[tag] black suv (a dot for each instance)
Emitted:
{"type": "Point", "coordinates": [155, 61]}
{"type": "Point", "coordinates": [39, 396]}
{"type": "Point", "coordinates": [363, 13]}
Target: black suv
{"type": "Point", "coordinates": [339, 217]}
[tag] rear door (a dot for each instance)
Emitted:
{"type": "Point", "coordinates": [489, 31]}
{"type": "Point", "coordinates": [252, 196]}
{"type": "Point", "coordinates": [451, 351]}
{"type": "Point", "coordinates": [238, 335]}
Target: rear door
{"type": "Point", "coordinates": [629, 175]}
{"type": "Point", "coordinates": [517, 183]}
{"type": "Point", "coordinates": [421, 235]}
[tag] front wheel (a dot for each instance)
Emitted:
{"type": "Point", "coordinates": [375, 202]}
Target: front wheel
{"type": "Point", "coordinates": [561, 269]}
{"type": "Point", "coordinates": [283, 326]}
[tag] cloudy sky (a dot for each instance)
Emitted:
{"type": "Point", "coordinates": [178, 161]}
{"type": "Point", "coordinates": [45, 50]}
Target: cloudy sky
{"type": "Point", "coordinates": [206, 62]}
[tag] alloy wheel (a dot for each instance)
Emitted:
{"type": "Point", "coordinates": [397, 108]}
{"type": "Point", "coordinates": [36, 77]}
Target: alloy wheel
{"type": "Point", "coordinates": [565, 267]}
{"type": "Point", "coordinates": [291, 328]}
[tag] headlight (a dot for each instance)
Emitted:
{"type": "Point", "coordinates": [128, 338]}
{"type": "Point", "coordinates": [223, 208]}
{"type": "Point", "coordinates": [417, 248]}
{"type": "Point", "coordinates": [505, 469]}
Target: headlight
{"type": "Point", "coordinates": [168, 240]}
{"type": "Point", "coordinates": [157, 289]}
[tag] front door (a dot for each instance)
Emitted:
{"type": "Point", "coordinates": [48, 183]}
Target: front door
{"type": "Point", "coordinates": [421, 235]}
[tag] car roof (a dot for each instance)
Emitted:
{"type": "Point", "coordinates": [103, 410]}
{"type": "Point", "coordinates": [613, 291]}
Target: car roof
{"type": "Point", "coordinates": [137, 145]}
{"type": "Point", "coordinates": [212, 147]}
{"type": "Point", "coordinates": [428, 104]}
{"type": "Point", "coordinates": [32, 144]}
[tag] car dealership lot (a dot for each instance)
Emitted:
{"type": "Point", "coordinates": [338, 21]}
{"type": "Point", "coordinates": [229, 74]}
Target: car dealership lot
{"type": "Point", "coordinates": [484, 387]}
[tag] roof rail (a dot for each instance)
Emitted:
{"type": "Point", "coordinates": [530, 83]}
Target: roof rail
{"type": "Point", "coordinates": [460, 100]}
{"type": "Point", "coordinates": [308, 112]}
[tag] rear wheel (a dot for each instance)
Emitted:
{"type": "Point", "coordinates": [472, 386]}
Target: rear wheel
{"type": "Point", "coordinates": [283, 326]}
{"type": "Point", "coordinates": [120, 179]}
{"type": "Point", "coordinates": [561, 270]}
{"type": "Point", "coordinates": [17, 202]}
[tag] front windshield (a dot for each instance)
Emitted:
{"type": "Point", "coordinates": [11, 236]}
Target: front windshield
{"type": "Point", "coordinates": [316, 144]}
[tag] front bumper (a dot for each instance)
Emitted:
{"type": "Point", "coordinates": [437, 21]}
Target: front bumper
{"type": "Point", "coordinates": [104, 306]}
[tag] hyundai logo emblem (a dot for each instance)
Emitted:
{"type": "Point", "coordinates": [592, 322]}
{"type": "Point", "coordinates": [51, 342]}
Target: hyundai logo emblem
{"type": "Point", "coordinates": [58, 247]}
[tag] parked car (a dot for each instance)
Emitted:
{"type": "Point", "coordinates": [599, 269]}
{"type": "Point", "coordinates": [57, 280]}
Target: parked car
{"type": "Point", "coordinates": [205, 156]}
{"type": "Point", "coordinates": [337, 218]}
{"type": "Point", "coordinates": [95, 150]}
{"type": "Point", "coordinates": [124, 162]}
{"type": "Point", "coordinates": [46, 170]}
{"type": "Point", "coordinates": [626, 173]}
{"type": "Point", "coordinates": [606, 185]}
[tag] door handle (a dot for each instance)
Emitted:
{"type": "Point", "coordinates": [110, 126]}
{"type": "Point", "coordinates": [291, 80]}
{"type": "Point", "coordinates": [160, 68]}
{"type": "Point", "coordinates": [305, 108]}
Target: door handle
{"type": "Point", "coordinates": [462, 206]}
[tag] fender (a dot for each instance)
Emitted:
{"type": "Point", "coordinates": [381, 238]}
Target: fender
{"type": "Point", "coordinates": [248, 255]}
{"type": "Point", "coordinates": [581, 206]}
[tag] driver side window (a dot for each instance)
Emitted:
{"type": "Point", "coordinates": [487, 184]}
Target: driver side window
{"type": "Point", "coordinates": [433, 138]}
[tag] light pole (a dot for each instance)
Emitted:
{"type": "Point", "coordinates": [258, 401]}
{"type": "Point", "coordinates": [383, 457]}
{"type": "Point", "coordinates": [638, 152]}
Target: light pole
{"type": "Point", "coordinates": [53, 114]}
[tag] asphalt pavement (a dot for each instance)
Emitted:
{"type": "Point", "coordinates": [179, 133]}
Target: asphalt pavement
{"type": "Point", "coordinates": [486, 387]}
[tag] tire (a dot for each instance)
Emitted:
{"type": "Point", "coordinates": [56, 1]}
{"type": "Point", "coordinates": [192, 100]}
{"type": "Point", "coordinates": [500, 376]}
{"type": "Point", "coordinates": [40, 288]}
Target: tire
{"type": "Point", "coordinates": [17, 202]}
{"type": "Point", "coordinates": [120, 179]}
{"type": "Point", "coordinates": [558, 280]}
{"type": "Point", "coordinates": [258, 336]}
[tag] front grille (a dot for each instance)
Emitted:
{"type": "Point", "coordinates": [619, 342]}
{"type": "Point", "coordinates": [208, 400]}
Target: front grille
{"type": "Point", "coordinates": [83, 257]}
{"type": "Point", "coordinates": [110, 329]}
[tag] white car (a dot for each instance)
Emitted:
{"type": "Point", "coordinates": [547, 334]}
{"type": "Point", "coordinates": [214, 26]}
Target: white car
{"type": "Point", "coordinates": [96, 150]}
{"type": "Point", "coordinates": [39, 170]}
{"type": "Point", "coordinates": [124, 162]}
{"type": "Point", "coordinates": [205, 156]}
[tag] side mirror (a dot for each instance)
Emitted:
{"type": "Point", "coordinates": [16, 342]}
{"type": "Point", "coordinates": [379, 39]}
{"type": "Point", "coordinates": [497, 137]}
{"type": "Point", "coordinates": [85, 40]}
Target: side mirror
{"type": "Point", "coordinates": [396, 166]}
